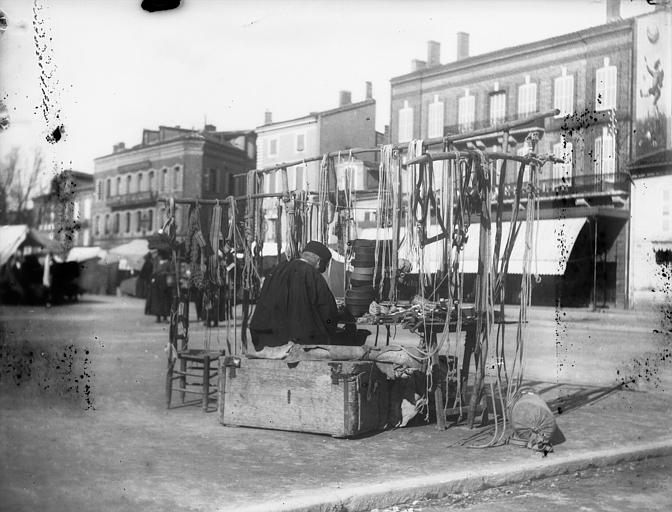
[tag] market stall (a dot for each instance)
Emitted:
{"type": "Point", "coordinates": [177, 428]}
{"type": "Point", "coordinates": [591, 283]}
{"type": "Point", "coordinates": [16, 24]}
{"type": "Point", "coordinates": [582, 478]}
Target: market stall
{"type": "Point", "coordinates": [427, 206]}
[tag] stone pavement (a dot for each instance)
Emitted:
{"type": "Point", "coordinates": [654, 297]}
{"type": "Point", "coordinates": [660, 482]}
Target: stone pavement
{"type": "Point", "coordinates": [128, 452]}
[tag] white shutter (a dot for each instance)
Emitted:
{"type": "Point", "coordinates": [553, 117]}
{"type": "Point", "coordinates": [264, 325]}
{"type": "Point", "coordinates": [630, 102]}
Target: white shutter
{"type": "Point", "coordinates": [497, 108]}
{"type": "Point", "coordinates": [557, 167]}
{"type": "Point", "coordinates": [564, 94]}
{"type": "Point", "coordinates": [435, 121]}
{"type": "Point", "coordinates": [597, 156]}
{"type": "Point", "coordinates": [608, 155]}
{"type": "Point", "coordinates": [605, 86]}
{"type": "Point", "coordinates": [405, 123]}
{"type": "Point", "coordinates": [465, 112]}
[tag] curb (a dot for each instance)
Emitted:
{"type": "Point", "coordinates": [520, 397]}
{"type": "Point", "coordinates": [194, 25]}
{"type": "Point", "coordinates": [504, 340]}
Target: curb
{"type": "Point", "coordinates": [356, 498]}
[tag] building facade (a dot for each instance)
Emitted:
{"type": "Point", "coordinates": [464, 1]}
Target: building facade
{"type": "Point", "coordinates": [350, 125]}
{"type": "Point", "coordinates": [65, 212]}
{"type": "Point", "coordinates": [590, 77]}
{"type": "Point", "coordinates": [651, 169]}
{"type": "Point", "coordinates": [170, 161]}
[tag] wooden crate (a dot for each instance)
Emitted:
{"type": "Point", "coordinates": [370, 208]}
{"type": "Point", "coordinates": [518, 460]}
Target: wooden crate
{"type": "Point", "coordinates": [339, 398]}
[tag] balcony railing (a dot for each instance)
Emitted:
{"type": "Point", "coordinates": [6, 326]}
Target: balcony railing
{"type": "Point", "coordinates": [587, 185]}
{"type": "Point", "coordinates": [134, 199]}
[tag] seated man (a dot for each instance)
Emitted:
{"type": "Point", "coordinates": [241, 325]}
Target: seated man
{"type": "Point", "coordinates": [296, 303]}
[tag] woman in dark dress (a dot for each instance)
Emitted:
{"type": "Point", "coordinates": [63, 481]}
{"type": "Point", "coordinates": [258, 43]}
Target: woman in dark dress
{"type": "Point", "coordinates": [144, 277]}
{"type": "Point", "coordinates": [160, 289]}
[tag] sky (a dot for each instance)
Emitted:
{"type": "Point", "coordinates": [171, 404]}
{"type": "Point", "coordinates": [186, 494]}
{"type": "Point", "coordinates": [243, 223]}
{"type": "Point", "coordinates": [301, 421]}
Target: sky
{"type": "Point", "coordinates": [112, 69]}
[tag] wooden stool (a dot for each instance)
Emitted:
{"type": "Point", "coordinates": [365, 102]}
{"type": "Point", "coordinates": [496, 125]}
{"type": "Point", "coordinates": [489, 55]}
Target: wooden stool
{"type": "Point", "coordinates": [201, 364]}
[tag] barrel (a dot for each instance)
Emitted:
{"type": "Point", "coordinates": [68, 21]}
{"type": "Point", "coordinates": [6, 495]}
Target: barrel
{"type": "Point", "coordinates": [358, 300]}
{"type": "Point", "coordinates": [365, 251]}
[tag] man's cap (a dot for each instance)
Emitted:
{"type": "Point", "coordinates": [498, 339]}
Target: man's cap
{"type": "Point", "coordinates": [317, 248]}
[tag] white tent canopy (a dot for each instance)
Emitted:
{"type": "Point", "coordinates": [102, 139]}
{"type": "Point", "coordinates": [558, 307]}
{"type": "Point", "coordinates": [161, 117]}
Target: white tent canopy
{"type": "Point", "coordinates": [130, 256]}
{"type": "Point", "coordinates": [80, 254]}
{"type": "Point", "coordinates": [13, 238]}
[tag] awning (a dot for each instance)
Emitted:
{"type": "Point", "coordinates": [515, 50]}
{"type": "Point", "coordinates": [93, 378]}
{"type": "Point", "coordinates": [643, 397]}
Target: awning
{"type": "Point", "coordinates": [130, 256]}
{"type": "Point", "coordinates": [555, 239]}
{"type": "Point", "coordinates": [80, 254]}
{"type": "Point", "coordinates": [15, 237]}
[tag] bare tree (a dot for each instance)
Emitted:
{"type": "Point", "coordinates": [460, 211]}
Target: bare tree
{"type": "Point", "coordinates": [16, 186]}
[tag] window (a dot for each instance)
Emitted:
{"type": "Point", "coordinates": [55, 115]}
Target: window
{"type": "Point", "coordinates": [562, 173]}
{"type": "Point", "coordinates": [115, 225]}
{"type": "Point", "coordinates": [211, 180]}
{"type": "Point", "coordinates": [405, 123]}
{"type": "Point", "coordinates": [117, 191]}
{"type": "Point", "coordinates": [150, 220]}
{"type": "Point", "coordinates": [270, 180]}
{"type": "Point", "coordinates": [106, 227]}
{"type": "Point", "coordinates": [527, 97]}
{"type": "Point", "coordinates": [604, 155]}
{"type": "Point", "coordinates": [465, 112]}
{"type": "Point", "coordinates": [497, 108]}
{"type": "Point", "coordinates": [128, 222]}
{"type": "Point", "coordinates": [129, 184]}
{"type": "Point", "coordinates": [666, 210]}
{"type": "Point", "coordinates": [151, 185]}
{"type": "Point", "coordinates": [177, 178]}
{"type": "Point", "coordinates": [273, 147]}
{"type": "Point", "coordinates": [108, 188]}
{"type": "Point", "coordinates": [96, 226]}
{"type": "Point", "coordinates": [140, 184]}
{"type": "Point", "coordinates": [605, 86]}
{"type": "Point", "coordinates": [299, 177]}
{"type": "Point", "coordinates": [87, 208]}
{"type": "Point", "coordinates": [164, 185]}
{"type": "Point", "coordinates": [99, 190]}
{"type": "Point", "coordinates": [435, 118]}
{"type": "Point", "coordinates": [563, 98]}
{"type": "Point", "coordinates": [138, 221]}
{"type": "Point", "coordinates": [300, 142]}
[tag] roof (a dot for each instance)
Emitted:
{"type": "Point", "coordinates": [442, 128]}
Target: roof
{"type": "Point", "coordinates": [517, 51]}
{"type": "Point", "coordinates": [324, 113]}
{"type": "Point", "coordinates": [188, 135]}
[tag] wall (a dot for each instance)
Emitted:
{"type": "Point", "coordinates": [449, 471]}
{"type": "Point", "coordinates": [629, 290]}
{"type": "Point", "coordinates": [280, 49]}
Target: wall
{"type": "Point", "coordinates": [647, 234]}
{"type": "Point", "coordinates": [348, 127]}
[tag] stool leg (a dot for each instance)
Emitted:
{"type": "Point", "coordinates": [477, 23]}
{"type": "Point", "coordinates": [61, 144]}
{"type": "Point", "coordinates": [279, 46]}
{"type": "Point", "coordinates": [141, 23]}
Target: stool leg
{"type": "Point", "coordinates": [206, 382]}
{"type": "Point", "coordinates": [183, 378]}
{"type": "Point", "coordinates": [169, 383]}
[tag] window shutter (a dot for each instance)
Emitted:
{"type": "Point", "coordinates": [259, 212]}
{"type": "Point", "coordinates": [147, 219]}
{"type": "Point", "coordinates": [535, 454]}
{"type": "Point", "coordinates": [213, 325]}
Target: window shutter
{"type": "Point", "coordinates": [597, 156]}
{"type": "Point", "coordinates": [435, 121]}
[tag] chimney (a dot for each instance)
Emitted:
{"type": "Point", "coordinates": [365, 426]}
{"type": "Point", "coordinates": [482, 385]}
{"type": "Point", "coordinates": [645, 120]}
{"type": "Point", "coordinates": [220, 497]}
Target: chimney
{"type": "Point", "coordinates": [613, 10]}
{"type": "Point", "coordinates": [433, 53]}
{"type": "Point", "coordinates": [120, 146]}
{"type": "Point", "coordinates": [369, 91]}
{"type": "Point", "coordinates": [268, 117]}
{"type": "Point", "coordinates": [417, 64]}
{"type": "Point", "coordinates": [462, 45]}
{"type": "Point", "coordinates": [344, 98]}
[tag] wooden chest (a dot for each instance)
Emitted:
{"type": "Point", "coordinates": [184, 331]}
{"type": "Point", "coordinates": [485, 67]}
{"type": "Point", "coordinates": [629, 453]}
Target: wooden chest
{"type": "Point", "coordinates": [339, 398]}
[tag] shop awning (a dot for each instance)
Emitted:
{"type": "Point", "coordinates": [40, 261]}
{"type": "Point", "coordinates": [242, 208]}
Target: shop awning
{"type": "Point", "coordinates": [555, 240]}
